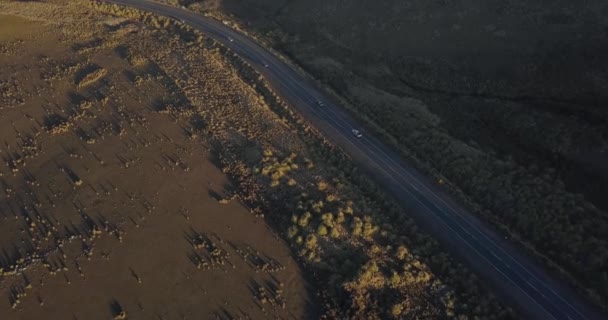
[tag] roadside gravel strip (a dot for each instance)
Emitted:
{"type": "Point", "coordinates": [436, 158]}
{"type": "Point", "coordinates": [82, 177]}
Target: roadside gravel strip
{"type": "Point", "coordinates": [518, 279]}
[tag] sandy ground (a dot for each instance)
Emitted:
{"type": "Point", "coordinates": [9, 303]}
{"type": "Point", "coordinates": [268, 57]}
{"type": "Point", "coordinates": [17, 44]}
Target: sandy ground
{"type": "Point", "coordinates": [109, 208]}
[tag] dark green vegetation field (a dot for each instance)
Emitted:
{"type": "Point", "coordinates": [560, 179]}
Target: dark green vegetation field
{"type": "Point", "coordinates": [504, 100]}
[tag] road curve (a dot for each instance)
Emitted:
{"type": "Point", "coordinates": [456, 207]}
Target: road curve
{"type": "Point", "coordinates": [516, 278]}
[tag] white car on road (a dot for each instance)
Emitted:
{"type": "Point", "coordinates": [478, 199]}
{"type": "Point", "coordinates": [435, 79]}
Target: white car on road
{"type": "Point", "coordinates": [357, 133]}
{"type": "Point", "coordinates": [320, 103]}
{"type": "Point", "coordinates": [230, 39]}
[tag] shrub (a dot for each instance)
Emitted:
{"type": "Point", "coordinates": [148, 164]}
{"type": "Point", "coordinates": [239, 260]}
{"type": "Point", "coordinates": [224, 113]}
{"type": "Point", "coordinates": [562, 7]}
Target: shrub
{"type": "Point", "coordinates": [311, 242]}
{"type": "Point", "coordinates": [335, 233]}
{"type": "Point", "coordinates": [322, 230]}
{"type": "Point", "coordinates": [292, 232]}
{"type": "Point", "coordinates": [402, 252]}
{"type": "Point", "coordinates": [304, 219]}
{"type": "Point", "coordinates": [397, 309]}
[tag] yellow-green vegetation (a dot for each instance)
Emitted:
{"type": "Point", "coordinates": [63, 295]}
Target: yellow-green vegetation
{"type": "Point", "coordinates": [518, 135]}
{"type": "Point", "coordinates": [369, 259]}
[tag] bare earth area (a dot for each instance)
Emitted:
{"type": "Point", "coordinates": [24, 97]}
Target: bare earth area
{"type": "Point", "coordinates": [110, 204]}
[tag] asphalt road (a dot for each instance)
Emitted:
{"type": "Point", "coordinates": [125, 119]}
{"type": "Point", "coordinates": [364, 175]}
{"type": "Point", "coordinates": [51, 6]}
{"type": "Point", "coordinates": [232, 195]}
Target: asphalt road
{"type": "Point", "coordinates": [517, 278]}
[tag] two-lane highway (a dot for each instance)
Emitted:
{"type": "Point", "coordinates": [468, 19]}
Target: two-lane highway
{"type": "Point", "coordinates": [516, 277]}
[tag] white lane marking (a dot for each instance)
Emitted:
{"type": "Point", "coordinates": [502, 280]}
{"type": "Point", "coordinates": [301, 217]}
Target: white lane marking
{"type": "Point", "coordinates": [495, 255]}
{"type": "Point", "coordinates": [530, 284]}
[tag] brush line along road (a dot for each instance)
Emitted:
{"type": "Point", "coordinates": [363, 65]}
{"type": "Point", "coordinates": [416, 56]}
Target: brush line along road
{"type": "Point", "coordinates": [516, 278]}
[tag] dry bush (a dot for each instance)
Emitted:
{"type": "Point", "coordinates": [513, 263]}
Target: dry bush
{"type": "Point", "coordinates": [91, 77]}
